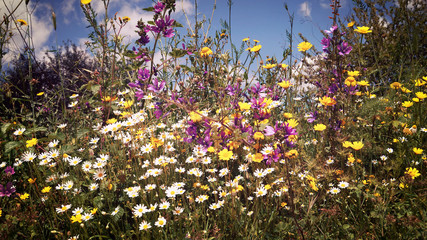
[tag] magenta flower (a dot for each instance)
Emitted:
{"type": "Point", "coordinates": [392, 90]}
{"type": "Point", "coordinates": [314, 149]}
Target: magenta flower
{"type": "Point", "coordinates": [158, 8]}
{"type": "Point", "coordinates": [7, 190]}
{"type": "Point", "coordinates": [9, 171]}
{"type": "Point", "coordinates": [156, 86]}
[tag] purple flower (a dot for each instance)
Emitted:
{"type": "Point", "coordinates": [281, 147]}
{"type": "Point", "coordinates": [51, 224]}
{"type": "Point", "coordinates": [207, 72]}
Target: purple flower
{"type": "Point", "coordinates": [331, 30]}
{"type": "Point", "coordinates": [312, 117]}
{"type": "Point", "coordinates": [269, 130]}
{"type": "Point", "coordinates": [344, 49]}
{"type": "Point", "coordinates": [9, 171]}
{"type": "Point", "coordinates": [7, 190]}
{"type": "Point", "coordinates": [158, 8]}
{"type": "Point", "coordinates": [258, 90]}
{"type": "Point", "coordinates": [326, 42]}
{"type": "Point", "coordinates": [156, 86]}
{"type": "Point", "coordinates": [164, 26]}
{"type": "Point", "coordinates": [144, 39]}
{"type": "Point", "coordinates": [143, 74]}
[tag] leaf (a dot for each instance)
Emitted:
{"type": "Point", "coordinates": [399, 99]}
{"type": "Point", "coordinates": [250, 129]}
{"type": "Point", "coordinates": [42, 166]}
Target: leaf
{"type": "Point", "coordinates": [82, 132]}
{"type": "Point", "coordinates": [151, 23]}
{"type": "Point", "coordinates": [130, 54]}
{"type": "Point", "coordinates": [346, 226]}
{"type": "Point", "coordinates": [67, 148]}
{"type": "Point", "coordinates": [11, 145]}
{"type": "Point", "coordinates": [177, 24]}
{"type": "Point", "coordinates": [60, 136]}
{"type": "Point", "coordinates": [97, 202]}
{"type": "Point", "coordinates": [178, 53]}
{"type": "Point", "coordinates": [95, 89]}
{"type": "Point", "coordinates": [149, 9]}
{"type": "Point", "coordinates": [36, 129]}
{"type": "Point", "coordinates": [5, 127]}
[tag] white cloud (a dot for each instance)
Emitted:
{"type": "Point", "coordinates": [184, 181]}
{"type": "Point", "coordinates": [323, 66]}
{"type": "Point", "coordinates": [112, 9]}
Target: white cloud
{"type": "Point", "coordinates": [325, 4]}
{"type": "Point", "coordinates": [184, 6]}
{"type": "Point", "coordinates": [305, 9]}
{"type": "Point", "coordinates": [69, 10]}
{"type": "Point", "coordinates": [40, 27]}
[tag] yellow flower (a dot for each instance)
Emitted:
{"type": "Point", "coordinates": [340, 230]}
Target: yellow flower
{"type": "Point", "coordinates": [195, 116]}
{"type": "Point", "coordinates": [128, 104]}
{"type": "Point", "coordinates": [304, 46]}
{"type": "Point", "coordinates": [421, 95]}
{"type": "Point", "coordinates": [405, 90]}
{"type": "Point", "coordinates": [111, 121]}
{"type": "Point", "coordinates": [108, 99]}
{"type": "Point", "coordinates": [245, 39]}
{"type": "Point", "coordinates": [285, 84]}
{"type": "Point", "coordinates": [415, 99]}
{"type": "Point", "coordinates": [256, 41]}
{"type": "Point", "coordinates": [93, 211]}
{"type": "Point", "coordinates": [353, 73]}
{"type": "Point", "coordinates": [291, 153]}
{"type": "Point", "coordinates": [357, 145]}
{"type": "Point", "coordinates": [350, 81]}
{"type": "Point", "coordinates": [395, 85]}
{"type": "Point", "coordinates": [225, 154]}
{"type": "Point", "coordinates": [363, 30]}
{"type": "Point", "coordinates": [40, 93]}
{"type": "Point", "coordinates": [412, 172]}
{"type": "Point", "coordinates": [46, 189]}
{"type": "Point", "coordinates": [84, 2]}
{"type": "Point", "coordinates": [418, 150]}
{"type": "Point", "coordinates": [31, 181]}
{"type": "Point", "coordinates": [206, 52]}
{"type": "Point", "coordinates": [78, 217]}
{"type": "Point", "coordinates": [256, 48]}
{"type": "Point", "coordinates": [269, 66]}
{"type": "Point", "coordinates": [258, 157]}
{"type": "Point", "coordinates": [24, 196]}
{"type": "Point", "coordinates": [363, 83]}
{"type": "Point", "coordinates": [407, 104]}
{"type": "Point", "coordinates": [319, 127]}
{"type": "Point", "coordinates": [419, 83]}
{"type": "Point", "coordinates": [283, 66]}
{"type": "Point", "coordinates": [350, 24]}
{"type": "Point", "coordinates": [22, 22]}
{"type": "Point", "coordinates": [126, 19]}
{"type": "Point", "coordinates": [292, 123]}
{"type": "Point", "coordinates": [347, 144]}
{"type": "Point", "coordinates": [211, 149]}
{"type": "Point", "coordinates": [327, 101]}
{"type": "Point", "coordinates": [287, 115]}
{"type": "Point", "coordinates": [258, 135]}
{"type": "Point", "coordinates": [31, 142]}
{"type": "Point", "coordinates": [292, 138]}
{"type": "Point", "coordinates": [244, 106]}
{"type": "Point", "coordinates": [313, 186]}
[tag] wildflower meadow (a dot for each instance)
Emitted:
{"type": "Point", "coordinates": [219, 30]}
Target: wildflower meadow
{"type": "Point", "coordinates": [216, 140]}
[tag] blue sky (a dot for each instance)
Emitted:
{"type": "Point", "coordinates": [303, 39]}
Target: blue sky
{"type": "Point", "coordinates": [266, 21]}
